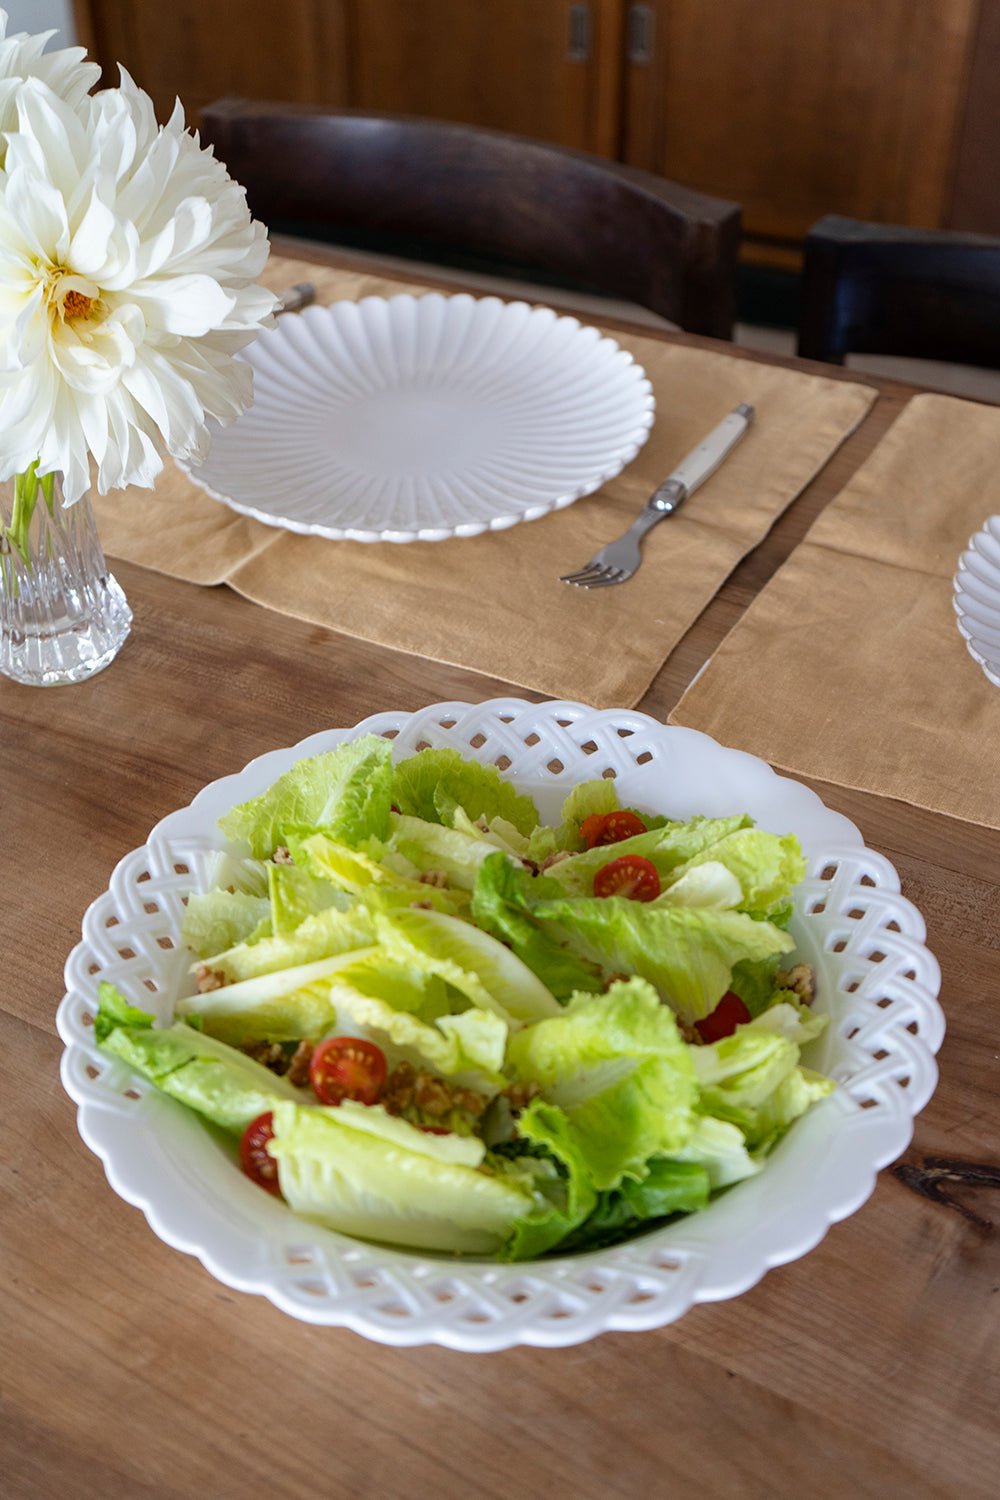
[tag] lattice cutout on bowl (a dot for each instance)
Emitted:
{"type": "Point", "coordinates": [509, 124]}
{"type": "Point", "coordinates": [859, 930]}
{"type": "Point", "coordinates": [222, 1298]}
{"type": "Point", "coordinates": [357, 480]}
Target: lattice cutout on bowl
{"type": "Point", "coordinates": [876, 979]}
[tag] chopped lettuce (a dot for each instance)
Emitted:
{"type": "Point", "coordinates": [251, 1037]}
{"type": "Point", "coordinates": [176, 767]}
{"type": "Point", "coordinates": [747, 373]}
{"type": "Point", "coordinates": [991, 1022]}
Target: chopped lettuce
{"type": "Point", "coordinates": [346, 791]}
{"type": "Point", "coordinates": [296, 894]}
{"type": "Point", "coordinates": [449, 851]}
{"type": "Point", "coordinates": [669, 1187]}
{"type": "Point", "coordinates": [326, 935]}
{"type": "Point", "coordinates": [668, 847]}
{"type": "Point", "coordinates": [364, 873]}
{"type": "Point", "coordinates": [617, 1068]}
{"type": "Point", "coordinates": [434, 783]}
{"type": "Point", "coordinates": [765, 865]}
{"type": "Point", "coordinates": [224, 1085]}
{"type": "Point", "coordinates": [283, 1006]}
{"type": "Point", "coordinates": [365, 1173]}
{"type": "Point", "coordinates": [483, 970]}
{"type": "Point", "coordinates": [222, 919]}
{"type": "Point", "coordinates": [501, 905]}
{"type": "Point", "coordinates": [688, 954]}
{"type": "Point", "coordinates": [753, 1080]}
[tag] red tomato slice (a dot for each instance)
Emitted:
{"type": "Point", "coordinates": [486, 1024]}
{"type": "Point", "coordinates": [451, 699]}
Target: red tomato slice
{"type": "Point", "coordinates": [347, 1067]}
{"type": "Point", "coordinates": [727, 1015]}
{"type": "Point", "coordinates": [254, 1159]}
{"type": "Point", "coordinates": [610, 828]}
{"type": "Point", "coordinates": [630, 876]}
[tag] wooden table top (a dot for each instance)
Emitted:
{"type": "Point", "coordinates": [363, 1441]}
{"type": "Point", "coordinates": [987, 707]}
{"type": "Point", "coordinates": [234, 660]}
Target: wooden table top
{"type": "Point", "coordinates": [869, 1368]}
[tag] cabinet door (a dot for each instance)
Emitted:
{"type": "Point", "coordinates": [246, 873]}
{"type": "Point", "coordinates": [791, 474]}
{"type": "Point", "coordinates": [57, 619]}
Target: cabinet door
{"type": "Point", "coordinates": [544, 68]}
{"type": "Point", "coordinates": [198, 50]}
{"type": "Point", "coordinates": [797, 110]}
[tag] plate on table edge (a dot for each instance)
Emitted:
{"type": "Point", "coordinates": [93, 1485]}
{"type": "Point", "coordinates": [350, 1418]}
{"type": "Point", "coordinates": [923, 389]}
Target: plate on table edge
{"type": "Point", "coordinates": [875, 977]}
{"type": "Point", "coordinates": [976, 598]}
{"type": "Point", "coordinates": [452, 504]}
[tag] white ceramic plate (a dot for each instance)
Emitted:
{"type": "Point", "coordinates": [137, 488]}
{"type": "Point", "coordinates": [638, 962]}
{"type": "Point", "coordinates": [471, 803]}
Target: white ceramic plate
{"type": "Point", "coordinates": [421, 418]}
{"type": "Point", "coordinates": [977, 598]}
{"type": "Point", "coordinates": [876, 980]}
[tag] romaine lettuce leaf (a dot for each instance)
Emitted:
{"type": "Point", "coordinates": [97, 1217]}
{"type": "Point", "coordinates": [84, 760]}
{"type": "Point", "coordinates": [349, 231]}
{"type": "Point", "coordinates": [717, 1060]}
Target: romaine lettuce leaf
{"type": "Point", "coordinates": [669, 1187]}
{"type": "Point", "coordinates": [474, 963]}
{"type": "Point", "coordinates": [753, 1080]}
{"type": "Point", "coordinates": [720, 1148]}
{"type": "Point", "coordinates": [283, 1006]}
{"type": "Point", "coordinates": [368, 1174]}
{"type": "Point", "coordinates": [221, 919]}
{"type": "Point", "coordinates": [326, 935]}
{"type": "Point", "coordinates": [347, 792]}
{"type": "Point", "coordinates": [562, 1202]}
{"type": "Point", "coordinates": [709, 886]}
{"type": "Point", "coordinates": [619, 1070]}
{"type": "Point", "coordinates": [224, 1085]}
{"type": "Point", "coordinates": [410, 1013]}
{"type": "Point", "coordinates": [501, 905]}
{"type": "Point", "coordinates": [668, 847]}
{"type": "Point", "coordinates": [363, 873]}
{"type": "Point", "coordinates": [429, 846]}
{"type": "Point", "coordinates": [296, 894]}
{"type": "Point", "coordinates": [433, 783]}
{"type": "Point", "coordinates": [766, 865]}
{"type": "Point", "coordinates": [686, 953]}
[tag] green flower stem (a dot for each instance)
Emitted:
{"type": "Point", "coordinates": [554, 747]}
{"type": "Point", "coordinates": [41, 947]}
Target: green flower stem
{"type": "Point", "coordinates": [26, 487]}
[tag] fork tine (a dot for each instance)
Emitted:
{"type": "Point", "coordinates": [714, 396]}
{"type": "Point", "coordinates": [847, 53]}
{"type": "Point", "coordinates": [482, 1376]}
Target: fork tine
{"type": "Point", "coordinates": [608, 578]}
{"type": "Point", "coordinates": [592, 570]}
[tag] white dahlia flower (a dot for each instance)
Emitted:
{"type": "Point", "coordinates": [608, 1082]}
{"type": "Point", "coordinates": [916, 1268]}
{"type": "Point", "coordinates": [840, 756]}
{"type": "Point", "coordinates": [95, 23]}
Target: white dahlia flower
{"type": "Point", "coordinates": [127, 260]}
{"type": "Point", "coordinates": [67, 73]}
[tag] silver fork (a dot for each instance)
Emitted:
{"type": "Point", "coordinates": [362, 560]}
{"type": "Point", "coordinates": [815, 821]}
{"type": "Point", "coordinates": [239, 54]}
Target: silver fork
{"type": "Point", "coordinates": [617, 562]}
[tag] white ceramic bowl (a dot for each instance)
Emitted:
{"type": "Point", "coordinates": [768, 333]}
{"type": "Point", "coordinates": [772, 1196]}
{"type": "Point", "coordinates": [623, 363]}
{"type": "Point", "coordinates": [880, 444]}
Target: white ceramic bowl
{"type": "Point", "coordinates": [421, 418]}
{"type": "Point", "coordinates": [977, 598]}
{"type": "Point", "coordinates": [876, 980]}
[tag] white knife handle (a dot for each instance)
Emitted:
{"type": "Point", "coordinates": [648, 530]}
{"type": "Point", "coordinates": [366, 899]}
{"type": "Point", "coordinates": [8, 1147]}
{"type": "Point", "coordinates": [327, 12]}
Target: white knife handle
{"type": "Point", "coordinates": [702, 461]}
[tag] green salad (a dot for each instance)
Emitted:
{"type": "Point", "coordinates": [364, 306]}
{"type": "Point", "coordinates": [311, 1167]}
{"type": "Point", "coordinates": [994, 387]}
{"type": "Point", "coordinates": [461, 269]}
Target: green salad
{"type": "Point", "coordinates": [427, 1019]}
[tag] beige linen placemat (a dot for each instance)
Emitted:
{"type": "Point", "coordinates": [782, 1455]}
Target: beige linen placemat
{"type": "Point", "coordinates": [849, 666]}
{"type": "Point", "coordinates": [494, 603]}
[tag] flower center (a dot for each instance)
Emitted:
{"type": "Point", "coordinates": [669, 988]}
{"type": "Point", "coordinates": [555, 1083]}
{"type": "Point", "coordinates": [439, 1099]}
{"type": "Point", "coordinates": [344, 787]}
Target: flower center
{"type": "Point", "coordinates": [74, 299]}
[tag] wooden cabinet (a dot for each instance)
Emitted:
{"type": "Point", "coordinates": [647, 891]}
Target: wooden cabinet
{"type": "Point", "coordinates": [880, 109]}
{"type": "Point", "coordinates": [544, 68]}
{"type": "Point", "coordinates": [198, 50]}
{"type": "Point", "coordinates": [798, 110]}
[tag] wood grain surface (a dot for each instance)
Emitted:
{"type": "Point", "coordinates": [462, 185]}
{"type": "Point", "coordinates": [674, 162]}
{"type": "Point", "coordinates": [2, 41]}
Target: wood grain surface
{"type": "Point", "coordinates": [869, 1368]}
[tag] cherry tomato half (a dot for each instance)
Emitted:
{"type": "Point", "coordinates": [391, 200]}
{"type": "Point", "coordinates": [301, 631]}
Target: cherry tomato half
{"type": "Point", "coordinates": [610, 828]}
{"type": "Point", "coordinates": [630, 876]}
{"type": "Point", "coordinates": [254, 1159]}
{"type": "Point", "coordinates": [347, 1067]}
{"type": "Point", "coordinates": [727, 1015]}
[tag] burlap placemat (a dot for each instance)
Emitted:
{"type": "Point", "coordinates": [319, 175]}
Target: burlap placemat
{"type": "Point", "coordinates": [494, 603]}
{"type": "Point", "coordinates": [849, 666]}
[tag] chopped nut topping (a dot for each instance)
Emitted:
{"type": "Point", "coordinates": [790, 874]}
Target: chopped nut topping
{"type": "Point", "coordinates": [554, 859]}
{"type": "Point", "coordinates": [298, 1068]}
{"type": "Point", "coordinates": [407, 1090]}
{"type": "Point", "coordinates": [270, 1054]}
{"type": "Point", "coordinates": [520, 1095]}
{"type": "Point", "coordinates": [432, 1096]}
{"type": "Point", "coordinates": [209, 979]}
{"type": "Point", "coordinates": [434, 877]}
{"type": "Point", "coordinates": [801, 979]}
{"type": "Point", "coordinates": [282, 856]}
{"type": "Point", "coordinates": [690, 1033]}
{"type": "Point", "coordinates": [421, 905]}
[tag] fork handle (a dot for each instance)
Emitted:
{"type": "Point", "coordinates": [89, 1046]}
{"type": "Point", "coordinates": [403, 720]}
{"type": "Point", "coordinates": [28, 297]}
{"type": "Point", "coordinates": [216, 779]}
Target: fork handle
{"type": "Point", "coordinates": [665, 499]}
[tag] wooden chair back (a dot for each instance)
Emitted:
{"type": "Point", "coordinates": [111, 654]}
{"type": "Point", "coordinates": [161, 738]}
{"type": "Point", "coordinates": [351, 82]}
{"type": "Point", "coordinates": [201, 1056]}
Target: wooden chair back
{"type": "Point", "coordinates": [883, 289]}
{"type": "Point", "coordinates": [522, 204]}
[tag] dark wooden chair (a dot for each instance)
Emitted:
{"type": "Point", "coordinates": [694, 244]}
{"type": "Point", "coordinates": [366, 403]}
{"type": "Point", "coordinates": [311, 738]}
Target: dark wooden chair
{"type": "Point", "coordinates": [882, 289]}
{"type": "Point", "coordinates": [424, 188]}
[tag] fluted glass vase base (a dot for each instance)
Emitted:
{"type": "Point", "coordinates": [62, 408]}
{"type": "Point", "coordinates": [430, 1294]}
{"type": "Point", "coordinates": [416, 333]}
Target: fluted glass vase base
{"type": "Point", "coordinates": [63, 616]}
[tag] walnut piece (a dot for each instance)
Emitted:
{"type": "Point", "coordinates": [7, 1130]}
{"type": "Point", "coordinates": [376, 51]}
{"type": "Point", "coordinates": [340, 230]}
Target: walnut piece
{"type": "Point", "coordinates": [282, 856]}
{"type": "Point", "coordinates": [298, 1068]}
{"type": "Point", "coordinates": [799, 978]}
{"type": "Point", "coordinates": [209, 979]}
{"type": "Point", "coordinates": [434, 877]}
